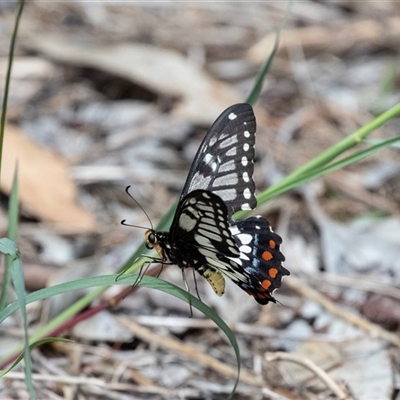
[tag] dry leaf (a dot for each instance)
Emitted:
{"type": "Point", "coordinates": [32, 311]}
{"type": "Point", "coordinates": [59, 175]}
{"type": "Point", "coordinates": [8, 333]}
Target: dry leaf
{"type": "Point", "coordinates": [45, 187]}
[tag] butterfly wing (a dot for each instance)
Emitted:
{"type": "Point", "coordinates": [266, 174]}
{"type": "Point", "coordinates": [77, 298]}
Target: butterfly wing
{"type": "Point", "coordinates": [224, 162]}
{"type": "Point", "coordinates": [220, 183]}
{"type": "Point", "coordinates": [260, 258]}
{"type": "Point", "coordinates": [203, 240]}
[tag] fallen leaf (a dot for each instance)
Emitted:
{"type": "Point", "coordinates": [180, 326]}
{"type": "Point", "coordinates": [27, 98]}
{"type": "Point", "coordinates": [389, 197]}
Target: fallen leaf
{"type": "Point", "coordinates": [45, 187]}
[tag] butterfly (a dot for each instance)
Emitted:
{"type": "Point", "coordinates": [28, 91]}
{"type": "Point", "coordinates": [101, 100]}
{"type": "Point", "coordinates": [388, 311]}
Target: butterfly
{"type": "Point", "coordinates": [203, 235]}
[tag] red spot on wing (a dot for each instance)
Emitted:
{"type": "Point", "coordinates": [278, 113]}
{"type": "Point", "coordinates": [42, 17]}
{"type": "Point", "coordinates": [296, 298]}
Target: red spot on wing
{"type": "Point", "coordinates": [266, 284]}
{"type": "Point", "coordinates": [272, 244]}
{"type": "Point", "coordinates": [266, 255]}
{"type": "Point", "coordinates": [273, 272]}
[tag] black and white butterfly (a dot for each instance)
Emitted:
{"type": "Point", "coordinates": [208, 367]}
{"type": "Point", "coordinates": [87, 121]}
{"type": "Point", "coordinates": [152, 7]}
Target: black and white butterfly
{"type": "Point", "coordinates": [203, 235]}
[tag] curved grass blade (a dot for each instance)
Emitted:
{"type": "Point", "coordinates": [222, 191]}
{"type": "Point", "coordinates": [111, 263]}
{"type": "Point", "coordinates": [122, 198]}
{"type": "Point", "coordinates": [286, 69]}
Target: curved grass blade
{"type": "Point", "coordinates": [256, 89]}
{"type": "Point", "coordinates": [146, 281]}
{"type": "Point", "coordinates": [32, 346]}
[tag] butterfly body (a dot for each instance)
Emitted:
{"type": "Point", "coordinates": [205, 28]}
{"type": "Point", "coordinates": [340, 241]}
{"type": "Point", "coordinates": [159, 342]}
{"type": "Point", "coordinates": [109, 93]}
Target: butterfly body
{"type": "Point", "coordinates": [203, 235]}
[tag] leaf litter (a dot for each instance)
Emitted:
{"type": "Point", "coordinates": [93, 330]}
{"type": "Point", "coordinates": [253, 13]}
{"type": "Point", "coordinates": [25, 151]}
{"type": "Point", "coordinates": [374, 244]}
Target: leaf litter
{"type": "Point", "coordinates": [105, 95]}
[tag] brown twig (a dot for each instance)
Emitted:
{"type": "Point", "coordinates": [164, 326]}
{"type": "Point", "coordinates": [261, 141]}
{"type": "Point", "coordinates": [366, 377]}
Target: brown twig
{"type": "Point", "coordinates": [320, 373]}
{"type": "Point", "coordinates": [188, 351]}
{"type": "Point", "coordinates": [308, 292]}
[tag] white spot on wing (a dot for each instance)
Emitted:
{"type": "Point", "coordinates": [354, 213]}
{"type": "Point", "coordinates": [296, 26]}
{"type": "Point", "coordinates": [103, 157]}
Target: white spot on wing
{"type": "Point", "coordinates": [207, 158]}
{"type": "Point", "coordinates": [199, 181]}
{"type": "Point", "coordinates": [226, 180]}
{"type": "Point", "coordinates": [228, 142]}
{"type": "Point", "coordinates": [246, 134]}
{"type": "Point", "coordinates": [245, 238]}
{"type": "Point", "coordinates": [213, 140]}
{"type": "Point", "coordinates": [228, 166]}
{"type": "Point", "coordinates": [187, 223]}
{"type": "Point", "coordinates": [245, 206]}
{"type": "Point", "coordinates": [245, 161]}
{"type": "Point", "coordinates": [231, 152]}
{"type": "Point", "coordinates": [246, 147]}
{"type": "Point", "coordinates": [226, 194]}
{"type": "Point", "coordinates": [208, 221]}
{"type": "Point", "coordinates": [232, 116]}
{"type": "Point", "coordinates": [202, 241]}
{"type": "Point", "coordinates": [210, 235]}
{"type": "Point", "coordinates": [234, 230]}
{"type": "Point", "coordinates": [236, 260]}
{"type": "Point", "coordinates": [245, 177]}
{"type": "Point", "coordinates": [245, 249]}
{"type": "Point", "coordinates": [247, 193]}
{"type": "Point", "coordinates": [205, 208]}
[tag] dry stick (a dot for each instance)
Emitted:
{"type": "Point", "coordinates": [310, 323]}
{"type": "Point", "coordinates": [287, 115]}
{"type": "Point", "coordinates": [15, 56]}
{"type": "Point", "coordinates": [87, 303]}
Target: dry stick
{"type": "Point", "coordinates": [99, 383]}
{"type": "Point", "coordinates": [307, 363]}
{"type": "Point", "coordinates": [306, 291]}
{"type": "Point", "coordinates": [148, 335]}
{"type": "Point", "coordinates": [357, 282]}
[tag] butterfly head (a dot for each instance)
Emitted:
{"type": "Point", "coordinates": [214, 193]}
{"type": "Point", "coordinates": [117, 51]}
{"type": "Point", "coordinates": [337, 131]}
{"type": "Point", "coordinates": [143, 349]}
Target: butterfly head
{"type": "Point", "coordinates": [157, 241]}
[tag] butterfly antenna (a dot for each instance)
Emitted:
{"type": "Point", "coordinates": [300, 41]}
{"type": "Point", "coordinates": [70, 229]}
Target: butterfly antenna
{"type": "Point", "coordinates": [144, 212]}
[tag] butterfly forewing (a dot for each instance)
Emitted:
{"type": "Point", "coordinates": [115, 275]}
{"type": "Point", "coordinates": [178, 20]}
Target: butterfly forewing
{"type": "Point", "coordinates": [201, 222]}
{"type": "Point", "coordinates": [223, 164]}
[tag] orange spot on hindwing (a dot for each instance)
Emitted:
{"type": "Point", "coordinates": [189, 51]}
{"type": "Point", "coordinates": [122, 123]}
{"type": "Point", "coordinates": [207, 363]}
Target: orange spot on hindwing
{"type": "Point", "coordinates": [272, 244]}
{"type": "Point", "coordinates": [266, 284]}
{"type": "Point", "coordinates": [266, 255]}
{"type": "Point", "coordinates": [273, 272]}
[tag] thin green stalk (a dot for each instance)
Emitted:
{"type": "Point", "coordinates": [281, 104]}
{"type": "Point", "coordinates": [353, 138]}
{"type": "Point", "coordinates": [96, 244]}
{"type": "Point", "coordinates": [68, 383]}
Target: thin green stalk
{"type": "Point", "coordinates": [345, 144]}
{"type": "Point", "coordinates": [256, 89]}
{"type": "Point", "coordinates": [353, 158]}
{"type": "Point", "coordinates": [13, 216]}
{"type": "Point", "coordinates": [8, 77]}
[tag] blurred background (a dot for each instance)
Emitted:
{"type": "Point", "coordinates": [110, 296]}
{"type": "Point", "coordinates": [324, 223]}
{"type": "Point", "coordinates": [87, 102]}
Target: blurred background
{"type": "Point", "coordinates": [109, 94]}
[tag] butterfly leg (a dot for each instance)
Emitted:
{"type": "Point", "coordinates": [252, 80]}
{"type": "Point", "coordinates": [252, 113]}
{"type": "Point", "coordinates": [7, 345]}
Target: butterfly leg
{"type": "Point", "coordinates": [195, 285]}
{"type": "Point", "coordinates": [145, 267]}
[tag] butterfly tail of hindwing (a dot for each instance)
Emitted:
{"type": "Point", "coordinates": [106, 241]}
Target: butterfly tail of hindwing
{"type": "Point", "coordinates": [260, 257]}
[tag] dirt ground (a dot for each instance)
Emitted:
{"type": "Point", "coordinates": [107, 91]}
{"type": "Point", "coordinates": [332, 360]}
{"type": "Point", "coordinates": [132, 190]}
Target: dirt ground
{"type": "Point", "coordinates": [110, 94]}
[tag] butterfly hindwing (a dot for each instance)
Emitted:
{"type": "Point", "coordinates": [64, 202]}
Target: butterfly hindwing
{"type": "Point", "coordinates": [224, 162]}
{"type": "Point", "coordinates": [260, 257]}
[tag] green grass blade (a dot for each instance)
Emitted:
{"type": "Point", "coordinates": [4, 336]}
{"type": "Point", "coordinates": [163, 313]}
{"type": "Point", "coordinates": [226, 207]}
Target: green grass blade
{"type": "Point", "coordinates": [256, 89]}
{"type": "Point", "coordinates": [346, 144]}
{"type": "Point", "coordinates": [14, 265]}
{"type": "Point", "coordinates": [8, 76]}
{"type": "Point", "coordinates": [146, 281]}
{"type": "Point", "coordinates": [13, 217]}
{"type": "Point", "coordinates": [32, 346]}
{"type": "Point", "coordinates": [353, 158]}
